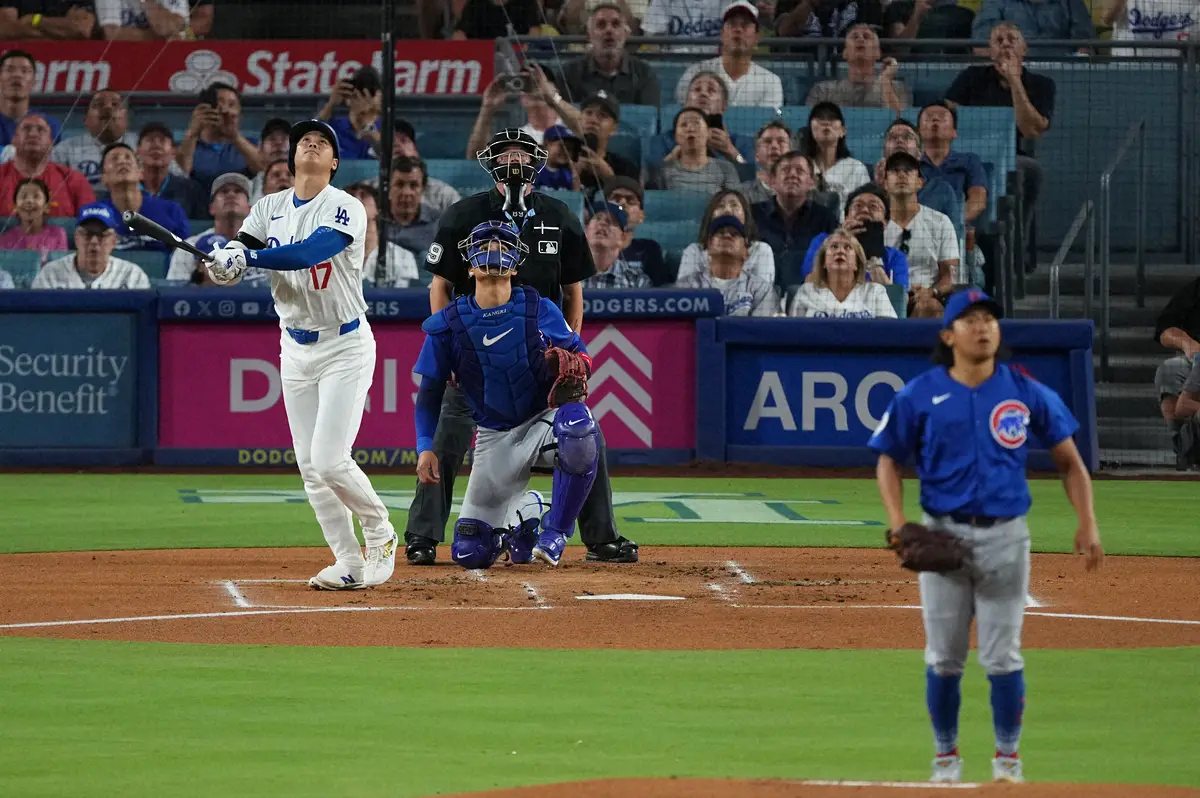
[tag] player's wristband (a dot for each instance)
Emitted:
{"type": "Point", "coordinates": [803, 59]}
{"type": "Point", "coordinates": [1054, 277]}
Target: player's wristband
{"type": "Point", "coordinates": [424, 445]}
{"type": "Point", "coordinates": [37, 20]}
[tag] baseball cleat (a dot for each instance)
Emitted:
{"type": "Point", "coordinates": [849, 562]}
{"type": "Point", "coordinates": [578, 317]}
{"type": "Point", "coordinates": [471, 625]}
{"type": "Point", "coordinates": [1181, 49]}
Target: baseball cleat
{"type": "Point", "coordinates": [621, 550]}
{"type": "Point", "coordinates": [337, 577]}
{"type": "Point", "coordinates": [1007, 768]}
{"type": "Point", "coordinates": [549, 548]}
{"type": "Point", "coordinates": [947, 769]}
{"type": "Point", "coordinates": [420, 550]}
{"type": "Point", "coordinates": [381, 562]}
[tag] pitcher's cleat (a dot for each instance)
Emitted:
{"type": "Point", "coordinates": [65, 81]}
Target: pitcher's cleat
{"type": "Point", "coordinates": [1007, 769]}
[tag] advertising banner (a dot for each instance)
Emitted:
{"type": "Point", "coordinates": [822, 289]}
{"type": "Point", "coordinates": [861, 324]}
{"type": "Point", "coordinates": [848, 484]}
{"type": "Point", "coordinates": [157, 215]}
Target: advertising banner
{"type": "Point", "coordinates": [219, 389]}
{"type": "Point", "coordinates": [68, 380]}
{"type": "Point", "coordinates": [270, 67]}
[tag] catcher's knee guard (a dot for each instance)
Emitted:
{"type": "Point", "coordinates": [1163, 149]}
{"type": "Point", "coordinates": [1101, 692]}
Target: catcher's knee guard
{"type": "Point", "coordinates": [578, 447]}
{"type": "Point", "coordinates": [476, 544]}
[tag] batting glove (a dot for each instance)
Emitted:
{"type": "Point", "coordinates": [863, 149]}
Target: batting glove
{"type": "Point", "coordinates": [229, 264]}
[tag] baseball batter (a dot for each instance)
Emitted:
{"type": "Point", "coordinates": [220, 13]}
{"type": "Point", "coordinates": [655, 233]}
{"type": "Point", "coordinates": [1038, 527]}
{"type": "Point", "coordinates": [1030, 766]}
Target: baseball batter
{"type": "Point", "coordinates": [311, 239]}
{"type": "Point", "coordinates": [523, 373]}
{"type": "Point", "coordinates": [968, 424]}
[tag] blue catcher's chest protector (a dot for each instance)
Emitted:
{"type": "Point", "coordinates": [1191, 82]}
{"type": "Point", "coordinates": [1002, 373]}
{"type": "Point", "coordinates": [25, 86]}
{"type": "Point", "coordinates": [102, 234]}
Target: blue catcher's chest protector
{"type": "Point", "coordinates": [493, 348]}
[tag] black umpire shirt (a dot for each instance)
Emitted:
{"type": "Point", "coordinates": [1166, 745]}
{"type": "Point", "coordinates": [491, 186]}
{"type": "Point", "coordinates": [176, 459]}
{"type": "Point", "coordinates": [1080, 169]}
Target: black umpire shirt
{"type": "Point", "coordinates": [558, 252]}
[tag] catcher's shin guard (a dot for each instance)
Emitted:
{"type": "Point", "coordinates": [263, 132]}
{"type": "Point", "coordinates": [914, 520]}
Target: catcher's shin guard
{"type": "Point", "coordinates": [476, 544]}
{"type": "Point", "coordinates": [575, 466]}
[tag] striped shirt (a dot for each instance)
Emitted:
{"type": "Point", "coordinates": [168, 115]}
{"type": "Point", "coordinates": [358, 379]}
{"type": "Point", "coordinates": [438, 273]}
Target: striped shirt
{"type": "Point", "coordinates": [621, 275]}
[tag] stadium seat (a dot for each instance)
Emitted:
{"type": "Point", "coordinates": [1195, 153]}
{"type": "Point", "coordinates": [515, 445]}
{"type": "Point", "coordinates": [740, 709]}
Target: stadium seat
{"type": "Point", "coordinates": [154, 264]}
{"type": "Point", "coordinates": [65, 222]}
{"type": "Point", "coordinates": [457, 172]}
{"type": "Point", "coordinates": [628, 147]}
{"type": "Point", "coordinates": [22, 264]}
{"type": "Point", "coordinates": [573, 199]}
{"type": "Point", "coordinates": [198, 226]}
{"type": "Point", "coordinates": [673, 206]}
{"type": "Point", "coordinates": [638, 120]}
{"type": "Point", "coordinates": [748, 120]}
{"type": "Point", "coordinates": [355, 170]}
{"type": "Point", "coordinates": [671, 236]}
{"type": "Point", "coordinates": [898, 294]}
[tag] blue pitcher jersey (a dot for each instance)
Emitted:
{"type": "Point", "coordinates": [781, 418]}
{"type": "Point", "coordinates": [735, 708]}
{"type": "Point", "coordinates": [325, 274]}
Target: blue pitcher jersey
{"type": "Point", "coordinates": [497, 355]}
{"type": "Point", "coordinates": [971, 444]}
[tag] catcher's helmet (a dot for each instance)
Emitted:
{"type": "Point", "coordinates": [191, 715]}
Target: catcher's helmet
{"type": "Point", "coordinates": [308, 126]}
{"type": "Point", "coordinates": [495, 247]}
{"type": "Point", "coordinates": [512, 138]}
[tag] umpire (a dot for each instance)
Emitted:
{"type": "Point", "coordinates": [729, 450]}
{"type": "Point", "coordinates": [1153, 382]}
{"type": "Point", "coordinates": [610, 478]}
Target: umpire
{"type": "Point", "coordinates": [558, 261]}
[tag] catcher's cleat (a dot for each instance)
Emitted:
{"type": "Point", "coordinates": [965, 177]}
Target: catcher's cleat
{"type": "Point", "coordinates": [621, 550]}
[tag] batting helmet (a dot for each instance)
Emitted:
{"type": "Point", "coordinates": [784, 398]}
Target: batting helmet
{"type": "Point", "coordinates": [309, 126]}
{"type": "Point", "coordinates": [509, 139]}
{"type": "Point", "coordinates": [495, 247]}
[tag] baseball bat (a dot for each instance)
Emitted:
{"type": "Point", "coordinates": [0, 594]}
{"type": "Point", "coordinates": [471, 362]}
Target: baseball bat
{"type": "Point", "coordinates": [140, 224]}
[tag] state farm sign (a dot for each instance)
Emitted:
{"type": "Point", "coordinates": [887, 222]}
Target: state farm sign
{"type": "Point", "coordinates": [255, 67]}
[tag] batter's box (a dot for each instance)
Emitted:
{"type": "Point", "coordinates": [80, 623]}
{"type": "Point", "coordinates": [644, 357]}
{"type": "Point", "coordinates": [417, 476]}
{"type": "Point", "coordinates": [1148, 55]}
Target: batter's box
{"type": "Point", "coordinates": [564, 587]}
{"type": "Point", "coordinates": [816, 592]}
{"type": "Point", "coordinates": [451, 590]}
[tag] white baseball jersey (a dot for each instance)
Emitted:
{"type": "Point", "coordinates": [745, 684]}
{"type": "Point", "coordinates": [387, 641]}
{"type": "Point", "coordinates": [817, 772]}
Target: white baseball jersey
{"type": "Point", "coordinates": [933, 240]}
{"type": "Point", "coordinates": [1158, 21]}
{"type": "Point", "coordinates": [745, 295]}
{"type": "Point", "coordinates": [865, 301]}
{"type": "Point", "coordinates": [326, 295]}
{"type": "Point", "coordinates": [400, 271]}
{"type": "Point", "coordinates": [83, 152]}
{"type": "Point", "coordinates": [119, 275]}
{"type": "Point", "coordinates": [693, 19]}
{"type": "Point", "coordinates": [131, 14]}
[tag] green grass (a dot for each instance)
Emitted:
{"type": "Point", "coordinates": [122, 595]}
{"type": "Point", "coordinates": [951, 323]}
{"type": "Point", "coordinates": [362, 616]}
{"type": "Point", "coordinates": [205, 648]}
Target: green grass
{"type": "Point", "coordinates": [85, 512]}
{"type": "Point", "coordinates": [88, 718]}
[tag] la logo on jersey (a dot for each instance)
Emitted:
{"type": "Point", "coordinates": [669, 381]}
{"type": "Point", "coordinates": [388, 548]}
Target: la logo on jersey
{"type": "Point", "coordinates": [1009, 423]}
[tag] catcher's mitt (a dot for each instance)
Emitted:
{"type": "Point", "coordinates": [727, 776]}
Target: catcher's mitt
{"type": "Point", "coordinates": [923, 549]}
{"type": "Point", "coordinates": [570, 372]}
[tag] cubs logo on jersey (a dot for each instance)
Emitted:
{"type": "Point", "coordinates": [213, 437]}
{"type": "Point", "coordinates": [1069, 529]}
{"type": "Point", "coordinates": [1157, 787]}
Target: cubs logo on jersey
{"type": "Point", "coordinates": [1009, 423]}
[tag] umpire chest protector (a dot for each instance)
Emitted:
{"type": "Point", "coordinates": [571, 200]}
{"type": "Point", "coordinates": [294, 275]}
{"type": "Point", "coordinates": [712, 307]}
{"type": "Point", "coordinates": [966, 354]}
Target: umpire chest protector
{"type": "Point", "coordinates": [500, 355]}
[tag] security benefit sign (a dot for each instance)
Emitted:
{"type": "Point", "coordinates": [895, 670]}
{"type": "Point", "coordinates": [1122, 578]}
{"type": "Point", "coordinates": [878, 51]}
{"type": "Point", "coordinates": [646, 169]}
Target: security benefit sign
{"type": "Point", "coordinates": [68, 380]}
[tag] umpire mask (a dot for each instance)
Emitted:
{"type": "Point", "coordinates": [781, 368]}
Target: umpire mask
{"type": "Point", "coordinates": [513, 159]}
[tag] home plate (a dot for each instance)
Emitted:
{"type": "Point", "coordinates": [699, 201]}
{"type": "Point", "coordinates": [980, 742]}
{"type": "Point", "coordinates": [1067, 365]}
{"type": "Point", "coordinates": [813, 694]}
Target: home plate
{"type": "Point", "coordinates": [629, 597]}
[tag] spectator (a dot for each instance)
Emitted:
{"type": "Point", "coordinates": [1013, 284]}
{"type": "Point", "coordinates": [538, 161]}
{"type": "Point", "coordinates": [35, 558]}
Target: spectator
{"type": "Point", "coordinates": [1007, 83]}
{"type": "Point", "coordinates": [160, 177]}
{"type": "Point", "coordinates": [277, 177]}
{"type": "Point", "coordinates": [47, 19]}
{"type": "Point", "coordinates": [641, 253]}
{"type": "Point", "coordinates": [605, 232]}
{"type": "Point", "coordinates": [214, 144]}
{"type": "Point", "coordinates": [439, 195]}
{"type": "Point", "coordinates": [685, 19]}
{"type": "Point", "coordinates": [357, 129]}
{"type": "Point", "coordinates": [1177, 380]}
{"type": "Point", "coordinates": [562, 153]}
{"type": "Point", "coordinates": [490, 19]}
{"type": "Point", "coordinates": [92, 264]}
{"type": "Point", "coordinates": [200, 21]}
{"type": "Point", "coordinates": [689, 167]}
{"type": "Point", "coordinates": [901, 136]}
{"type": "Point", "coordinates": [745, 293]}
{"type": "Point", "coordinates": [772, 141]}
{"type": "Point", "coordinates": [122, 176]}
{"type": "Point", "coordinates": [862, 88]}
{"type": "Point", "coordinates": [17, 73]}
{"type": "Point", "coordinates": [1046, 19]}
{"type": "Point", "coordinates": [106, 122]}
{"type": "Point", "coordinates": [539, 115]}
{"type": "Point", "coordinates": [867, 216]}
{"type": "Point", "coordinates": [69, 190]}
{"type": "Point", "coordinates": [199, 274]}
{"type": "Point", "coordinates": [6, 281]}
{"type": "Point", "coordinates": [838, 288]}
{"type": "Point", "coordinates": [925, 236]}
{"type": "Point", "coordinates": [229, 205]}
{"type": "Point", "coordinates": [274, 143]}
{"type": "Point", "coordinates": [399, 268]}
{"type": "Point", "coordinates": [607, 66]}
{"type": "Point", "coordinates": [1151, 21]}
{"type": "Point", "coordinates": [824, 141]}
{"type": "Point", "coordinates": [710, 93]}
{"type": "Point", "coordinates": [142, 20]}
{"type": "Point", "coordinates": [789, 223]}
{"type": "Point", "coordinates": [596, 122]}
{"type": "Point", "coordinates": [747, 82]}
{"type": "Point", "coordinates": [962, 170]}
{"type": "Point", "coordinates": [413, 223]}
{"type": "Point", "coordinates": [32, 199]}
{"type": "Point", "coordinates": [760, 260]}
{"type": "Point", "coordinates": [826, 19]}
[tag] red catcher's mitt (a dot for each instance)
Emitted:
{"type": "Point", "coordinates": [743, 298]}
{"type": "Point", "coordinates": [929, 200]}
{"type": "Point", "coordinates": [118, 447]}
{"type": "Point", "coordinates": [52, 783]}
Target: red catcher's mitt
{"type": "Point", "coordinates": [570, 372]}
{"type": "Point", "coordinates": [923, 549]}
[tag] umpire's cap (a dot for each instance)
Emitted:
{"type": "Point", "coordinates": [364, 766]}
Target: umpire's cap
{"type": "Point", "coordinates": [300, 129]}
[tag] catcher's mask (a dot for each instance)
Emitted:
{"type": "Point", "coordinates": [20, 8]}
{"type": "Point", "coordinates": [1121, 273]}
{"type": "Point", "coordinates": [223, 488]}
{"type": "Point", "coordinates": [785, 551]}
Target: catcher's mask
{"type": "Point", "coordinates": [494, 247]}
{"type": "Point", "coordinates": [512, 172]}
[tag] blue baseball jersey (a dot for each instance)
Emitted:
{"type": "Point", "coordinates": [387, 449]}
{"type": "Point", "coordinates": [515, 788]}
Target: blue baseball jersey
{"type": "Point", "coordinates": [971, 444]}
{"type": "Point", "coordinates": [497, 354]}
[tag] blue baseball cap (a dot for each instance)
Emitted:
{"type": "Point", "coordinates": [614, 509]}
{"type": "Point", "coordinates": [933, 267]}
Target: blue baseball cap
{"type": "Point", "coordinates": [727, 221]}
{"type": "Point", "coordinates": [210, 241]}
{"type": "Point", "coordinates": [99, 212]}
{"type": "Point", "coordinates": [559, 133]}
{"type": "Point", "coordinates": [962, 301]}
{"type": "Point", "coordinates": [612, 209]}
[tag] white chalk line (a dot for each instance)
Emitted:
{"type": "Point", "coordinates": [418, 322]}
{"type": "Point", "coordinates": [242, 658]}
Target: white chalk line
{"type": "Point", "coordinates": [1032, 601]}
{"type": "Point", "coordinates": [740, 572]}
{"type": "Point", "coordinates": [902, 785]}
{"type": "Point", "coordinates": [1068, 615]}
{"type": "Point", "coordinates": [538, 600]}
{"type": "Point", "coordinates": [239, 598]}
{"type": "Point", "coordinates": [724, 594]}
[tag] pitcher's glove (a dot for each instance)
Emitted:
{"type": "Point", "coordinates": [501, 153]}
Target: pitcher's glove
{"type": "Point", "coordinates": [923, 549]}
{"type": "Point", "coordinates": [570, 372]}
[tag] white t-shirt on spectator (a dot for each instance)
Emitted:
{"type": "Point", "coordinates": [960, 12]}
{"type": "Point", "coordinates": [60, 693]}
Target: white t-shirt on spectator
{"type": "Point", "coordinates": [120, 275]}
{"type": "Point", "coordinates": [865, 301]}
{"type": "Point", "coordinates": [844, 178]}
{"type": "Point", "coordinates": [401, 268]}
{"type": "Point", "coordinates": [933, 240]}
{"type": "Point", "coordinates": [687, 19]}
{"type": "Point", "coordinates": [131, 14]}
{"type": "Point", "coordinates": [1157, 21]}
{"type": "Point", "coordinates": [538, 135]}
{"type": "Point", "coordinates": [759, 87]}
{"type": "Point", "coordinates": [760, 262]}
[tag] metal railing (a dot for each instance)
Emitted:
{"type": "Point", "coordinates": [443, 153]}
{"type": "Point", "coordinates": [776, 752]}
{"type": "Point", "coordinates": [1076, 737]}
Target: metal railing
{"type": "Point", "coordinates": [1136, 132]}
{"type": "Point", "coordinates": [1086, 215]}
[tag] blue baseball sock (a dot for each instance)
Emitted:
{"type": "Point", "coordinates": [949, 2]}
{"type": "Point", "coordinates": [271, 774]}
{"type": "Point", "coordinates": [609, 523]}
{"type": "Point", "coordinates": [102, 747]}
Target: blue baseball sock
{"type": "Point", "coordinates": [943, 696]}
{"type": "Point", "coordinates": [1008, 705]}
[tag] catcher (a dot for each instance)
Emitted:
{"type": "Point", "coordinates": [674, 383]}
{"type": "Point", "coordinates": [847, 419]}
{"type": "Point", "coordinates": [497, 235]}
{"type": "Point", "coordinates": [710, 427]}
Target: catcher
{"type": "Point", "coordinates": [524, 374]}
